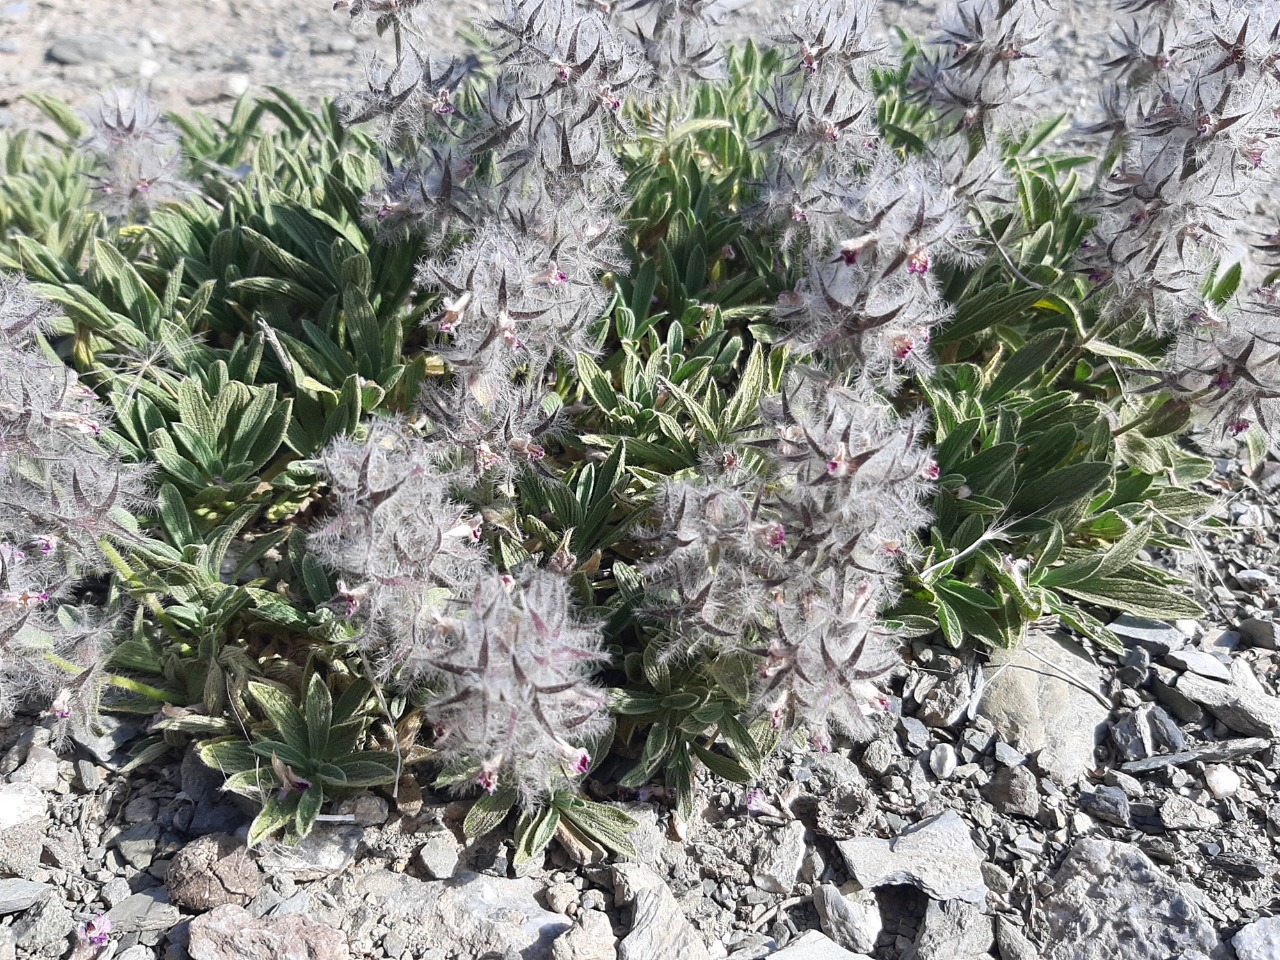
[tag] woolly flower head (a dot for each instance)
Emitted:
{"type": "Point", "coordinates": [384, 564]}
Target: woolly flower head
{"type": "Point", "coordinates": [397, 540]}
{"type": "Point", "coordinates": [820, 667]}
{"type": "Point", "coordinates": [510, 302]}
{"type": "Point", "coordinates": [138, 155]}
{"type": "Point", "coordinates": [854, 476]}
{"type": "Point", "coordinates": [1225, 364]}
{"type": "Point", "coordinates": [832, 38]}
{"type": "Point", "coordinates": [718, 550]}
{"type": "Point", "coordinates": [513, 700]}
{"type": "Point", "coordinates": [61, 492]}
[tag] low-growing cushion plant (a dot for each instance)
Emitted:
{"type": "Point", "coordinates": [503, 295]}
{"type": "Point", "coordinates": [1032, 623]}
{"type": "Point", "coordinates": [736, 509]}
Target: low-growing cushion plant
{"type": "Point", "coordinates": [612, 403]}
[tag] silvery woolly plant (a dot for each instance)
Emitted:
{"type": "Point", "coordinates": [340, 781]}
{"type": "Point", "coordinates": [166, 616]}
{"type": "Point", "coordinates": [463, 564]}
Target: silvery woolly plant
{"type": "Point", "coordinates": [63, 494]}
{"type": "Point", "coordinates": [515, 177]}
{"type": "Point", "coordinates": [1192, 119]}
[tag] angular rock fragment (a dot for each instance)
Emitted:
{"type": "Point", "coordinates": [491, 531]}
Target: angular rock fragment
{"type": "Point", "coordinates": [936, 855]}
{"type": "Point", "coordinates": [1245, 711]}
{"type": "Point", "coordinates": [1109, 900]}
{"type": "Point", "coordinates": [659, 930]}
{"type": "Point", "coordinates": [232, 933]}
{"type": "Point", "coordinates": [1034, 699]}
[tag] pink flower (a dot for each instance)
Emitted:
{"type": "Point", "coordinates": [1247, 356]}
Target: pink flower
{"type": "Point", "coordinates": [97, 930]}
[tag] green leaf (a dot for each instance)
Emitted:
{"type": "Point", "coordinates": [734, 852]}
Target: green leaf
{"type": "Point", "coordinates": [1062, 486]}
{"type": "Point", "coordinates": [488, 812]}
{"type": "Point", "coordinates": [318, 714]}
{"type": "Point", "coordinates": [721, 765]}
{"type": "Point", "coordinates": [1138, 597]}
{"type": "Point", "coordinates": [308, 809]}
{"type": "Point", "coordinates": [368, 769]}
{"type": "Point", "coordinates": [283, 714]}
{"type": "Point", "coordinates": [229, 755]}
{"type": "Point", "coordinates": [276, 814]}
{"type": "Point", "coordinates": [534, 832]}
{"type": "Point", "coordinates": [1026, 362]}
{"type": "Point", "coordinates": [1140, 453]}
{"type": "Point", "coordinates": [746, 399]}
{"type": "Point", "coordinates": [605, 824]}
{"type": "Point", "coordinates": [954, 590]}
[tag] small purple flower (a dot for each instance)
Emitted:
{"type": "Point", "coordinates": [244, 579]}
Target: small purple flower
{"type": "Point", "coordinates": [1238, 426]}
{"type": "Point", "coordinates": [918, 262]}
{"type": "Point", "coordinates": [583, 762]}
{"type": "Point", "coordinates": [61, 706]}
{"type": "Point", "coordinates": [97, 930]}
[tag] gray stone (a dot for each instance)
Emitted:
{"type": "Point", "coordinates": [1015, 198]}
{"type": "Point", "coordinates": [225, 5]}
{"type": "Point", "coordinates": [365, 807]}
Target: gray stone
{"type": "Point", "coordinates": [20, 803]}
{"type": "Point", "coordinates": [105, 743]}
{"type": "Point", "coordinates": [915, 735]}
{"type": "Point", "coordinates": [1197, 661]}
{"type": "Point", "coordinates": [475, 914]}
{"type": "Point", "coordinates": [1163, 682]}
{"type": "Point", "coordinates": [367, 811]}
{"type": "Point", "coordinates": [1108, 900]}
{"type": "Point", "coordinates": [1261, 633]}
{"type": "Point", "coordinates": [1245, 711]}
{"type": "Point", "coordinates": [942, 699]}
{"type": "Point", "coordinates": [8, 944]}
{"type": "Point", "coordinates": [1255, 581]}
{"type": "Point", "coordinates": [1207, 753]}
{"type": "Point", "coordinates": [1155, 636]}
{"type": "Point", "coordinates": [849, 916]}
{"type": "Point", "coordinates": [230, 932]}
{"type": "Point", "coordinates": [21, 850]}
{"type": "Point", "coordinates": [1221, 780]}
{"type": "Point", "coordinates": [950, 931]}
{"type": "Point", "coordinates": [779, 858]}
{"type": "Point", "coordinates": [936, 855]}
{"type": "Point", "coordinates": [1012, 942]}
{"type": "Point", "coordinates": [326, 851]}
{"type": "Point", "coordinates": [659, 930]}
{"type": "Point", "coordinates": [45, 928]}
{"type": "Point", "coordinates": [17, 894]}
{"type": "Point", "coordinates": [213, 871]}
{"type": "Point", "coordinates": [591, 938]}
{"type": "Point", "coordinates": [1260, 940]}
{"type": "Point", "coordinates": [138, 844]}
{"type": "Point", "coordinates": [1007, 756]}
{"type": "Point", "coordinates": [40, 770]}
{"type": "Point", "coordinates": [148, 910]}
{"type": "Point", "coordinates": [943, 761]}
{"type": "Point", "coordinates": [1106, 803]}
{"type": "Point", "coordinates": [815, 946]}
{"type": "Point", "coordinates": [1033, 707]}
{"type": "Point", "coordinates": [1014, 791]}
{"type": "Point", "coordinates": [440, 854]}
{"type": "Point", "coordinates": [1182, 813]}
{"type": "Point", "coordinates": [94, 48]}
{"type": "Point", "coordinates": [878, 757]}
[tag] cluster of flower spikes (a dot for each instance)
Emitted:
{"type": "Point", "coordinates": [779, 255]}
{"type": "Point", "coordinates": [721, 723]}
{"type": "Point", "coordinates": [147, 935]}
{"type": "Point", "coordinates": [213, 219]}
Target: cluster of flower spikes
{"type": "Point", "coordinates": [513, 176]}
{"type": "Point", "coordinates": [792, 562]}
{"type": "Point", "coordinates": [62, 492]}
{"type": "Point", "coordinates": [872, 225]}
{"type": "Point", "coordinates": [137, 155]}
{"type": "Point", "coordinates": [984, 65]}
{"type": "Point", "coordinates": [503, 667]}
{"type": "Point", "coordinates": [513, 702]}
{"type": "Point", "coordinates": [1193, 115]}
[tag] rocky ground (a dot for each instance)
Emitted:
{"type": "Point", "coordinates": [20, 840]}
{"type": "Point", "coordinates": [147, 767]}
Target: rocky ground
{"type": "Point", "coordinates": [1053, 803]}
